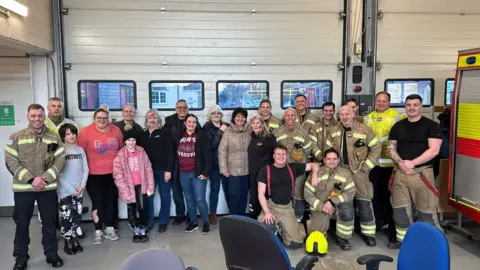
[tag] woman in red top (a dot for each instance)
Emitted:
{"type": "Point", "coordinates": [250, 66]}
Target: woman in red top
{"type": "Point", "coordinates": [101, 141]}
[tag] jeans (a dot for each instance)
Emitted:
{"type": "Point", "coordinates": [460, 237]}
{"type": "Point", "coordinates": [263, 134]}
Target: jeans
{"type": "Point", "coordinates": [237, 194]}
{"type": "Point", "coordinates": [165, 199]}
{"type": "Point", "coordinates": [195, 191]}
{"type": "Point", "coordinates": [215, 179]}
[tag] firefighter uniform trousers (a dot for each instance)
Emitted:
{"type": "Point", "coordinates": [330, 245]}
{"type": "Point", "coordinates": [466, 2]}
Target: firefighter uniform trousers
{"type": "Point", "coordinates": [290, 230]}
{"type": "Point", "coordinates": [364, 196]}
{"type": "Point", "coordinates": [344, 215]}
{"type": "Point", "coordinates": [407, 188]}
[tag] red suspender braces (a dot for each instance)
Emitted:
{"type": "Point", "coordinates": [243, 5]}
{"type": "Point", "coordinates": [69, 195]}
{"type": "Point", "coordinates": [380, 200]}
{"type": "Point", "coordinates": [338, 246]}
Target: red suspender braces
{"type": "Point", "coordinates": [268, 180]}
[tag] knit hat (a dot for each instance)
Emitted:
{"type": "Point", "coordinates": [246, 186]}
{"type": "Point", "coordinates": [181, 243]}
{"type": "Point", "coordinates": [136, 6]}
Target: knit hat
{"type": "Point", "coordinates": [239, 111]}
{"type": "Point", "coordinates": [128, 135]}
{"type": "Point", "coordinates": [214, 108]}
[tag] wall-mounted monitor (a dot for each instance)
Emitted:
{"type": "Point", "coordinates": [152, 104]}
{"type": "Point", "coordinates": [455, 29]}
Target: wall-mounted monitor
{"type": "Point", "coordinates": [449, 86]}
{"type": "Point", "coordinates": [317, 92]}
{"type": "Point", "coordinates": [116, 94]}
{"type": "Point", "coordinates": [165, 94]}
{"type": "Point", "coordinates": [245, 94]}
{"type": "Point", "coordinates": [399, 89]}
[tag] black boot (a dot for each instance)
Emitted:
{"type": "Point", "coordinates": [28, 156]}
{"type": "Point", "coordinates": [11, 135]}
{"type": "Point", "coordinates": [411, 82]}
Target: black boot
{"type": "Point", "coordinates": [343, 243]}
{"type": "Point", "coordinates": [369, 241]}
{"type": "Point", "coordinates": [55, 261]}
{"type": "Point", "coordinates": [76, 245]}
{"type": "Point", "coordinates": [68, 248]}
{"type": "Point", "coordinates": [394, 244]}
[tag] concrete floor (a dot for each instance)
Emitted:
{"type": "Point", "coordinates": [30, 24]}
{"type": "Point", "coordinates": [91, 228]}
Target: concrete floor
{"type": "Point", "coordinates": [203, 252]}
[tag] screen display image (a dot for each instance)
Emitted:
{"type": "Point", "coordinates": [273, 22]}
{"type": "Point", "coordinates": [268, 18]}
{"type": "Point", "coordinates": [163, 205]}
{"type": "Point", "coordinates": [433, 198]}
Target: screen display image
{"type": "Point", "coordinates": [93, 94]}
{"type": "Point", "coordinates": [400, 89]}
{"type": "Point", "coordinates": [248, 95]}
{"type": "Point", "coordinates": [164, 95]}
{"type": "Point", "coordinates": [449, 86]}
{"type": "Point", "coordinates": [316, 92]}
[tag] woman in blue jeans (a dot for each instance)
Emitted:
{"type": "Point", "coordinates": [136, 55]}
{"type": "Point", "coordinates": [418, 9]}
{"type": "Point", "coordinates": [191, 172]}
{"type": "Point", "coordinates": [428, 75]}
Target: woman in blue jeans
{"type": "Point", "coordinates": [194, 159]}
{"type": "Point", "coordinates": [157, 142]}
{"type": "Point", "coordinates": [214, 128]}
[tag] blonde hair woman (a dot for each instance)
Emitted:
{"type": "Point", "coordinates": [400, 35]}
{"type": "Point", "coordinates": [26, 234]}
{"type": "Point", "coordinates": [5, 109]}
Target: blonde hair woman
{"type": "Point", "coordinates": [157, 142]}
{"type": "Point", "coordinates": [260, 154]}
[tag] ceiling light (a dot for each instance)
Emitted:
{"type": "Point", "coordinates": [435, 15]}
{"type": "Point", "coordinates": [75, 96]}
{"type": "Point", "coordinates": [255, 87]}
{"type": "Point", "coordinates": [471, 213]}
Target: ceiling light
{"type": "Point", "coordinates": [14, 6]}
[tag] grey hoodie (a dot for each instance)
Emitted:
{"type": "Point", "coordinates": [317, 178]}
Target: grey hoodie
{"type": "Point", "coordinates": [75, 172]}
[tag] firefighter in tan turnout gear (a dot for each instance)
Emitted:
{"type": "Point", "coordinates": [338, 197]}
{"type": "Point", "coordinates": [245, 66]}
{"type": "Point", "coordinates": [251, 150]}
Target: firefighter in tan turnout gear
{"type": "Point", "coordinates": [320, 130]}
{"type": "Point", "coordinates": [360, 149]}
{"type": "Point", "coordinates": [275, 193]}
{"type": "Point", "coordinates": [265, 110]}
{"type": "Point", "coordinates": [413, 143]}
{"type": "Point", "coordinates": [299, 146]}
{"type": "Point", "coordinates": [305, 117]}
{"type": "Point", "coordinates": [330, 192]}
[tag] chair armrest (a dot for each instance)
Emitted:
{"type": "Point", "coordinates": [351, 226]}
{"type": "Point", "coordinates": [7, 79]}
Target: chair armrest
{"type": "Point", "coordinates": [307, 262]}
{"type": "Point", "coordinates": [373, 260]}
{"type": "Point", "coordinates": [191, 268]}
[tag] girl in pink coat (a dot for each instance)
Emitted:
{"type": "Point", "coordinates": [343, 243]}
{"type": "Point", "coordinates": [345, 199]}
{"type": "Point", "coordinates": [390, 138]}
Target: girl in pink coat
{"type": "Point", "coordinates": [133, 175]}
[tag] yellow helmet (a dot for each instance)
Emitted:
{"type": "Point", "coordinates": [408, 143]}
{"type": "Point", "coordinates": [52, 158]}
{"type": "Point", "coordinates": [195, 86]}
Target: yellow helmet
{"type": "Point", "coordinates": [316, 244]}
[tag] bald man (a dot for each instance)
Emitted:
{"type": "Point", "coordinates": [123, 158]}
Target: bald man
{"type": "Point", "coordinates": [360, 150]}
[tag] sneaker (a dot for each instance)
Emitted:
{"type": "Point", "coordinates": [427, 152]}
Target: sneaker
{"type": "Point", "coordinates": [111, 234]}
{"type": "Point", "coordinates": [98, 237]}
{"type": "Point", "coordinates": [206, 228]}
{"type": "Point", "coordinates": [80, 233]}
{"type": "Point", "coordinates": [162, 228]}
{"type": "Point", "coordinates": [191, 227]}
{"type": "Point", "coordinates": [136, 235]}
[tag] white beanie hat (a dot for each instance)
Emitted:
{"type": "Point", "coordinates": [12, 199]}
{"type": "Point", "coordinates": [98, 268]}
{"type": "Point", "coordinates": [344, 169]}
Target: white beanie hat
{"type": "Point", "coordinates": [214, 108]}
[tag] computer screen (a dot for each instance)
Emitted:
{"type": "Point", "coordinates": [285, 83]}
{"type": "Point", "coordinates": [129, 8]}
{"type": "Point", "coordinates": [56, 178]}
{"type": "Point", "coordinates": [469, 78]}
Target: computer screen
{"type": "Point", "coordinates": [399, 89]}
{"type": "Point", "coordinates": [449, 86]}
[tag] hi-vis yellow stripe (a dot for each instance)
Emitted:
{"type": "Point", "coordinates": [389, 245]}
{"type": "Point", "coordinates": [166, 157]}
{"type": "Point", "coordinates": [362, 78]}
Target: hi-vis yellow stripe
{"type": "Point", "coordinates": [468, 125]}
{"type": "Point", "coordinates": [462, 61]}
{"type": "Point", "coordinates": [283, 137]}
{"type": "Point", "coordinates": [359, 136]}
{"type": "Point", "coordinates": [11, 151]}
{"type": "Point", "coordinates": [26, 141]}
{"type": "Point", "coordinates": [335, 134]}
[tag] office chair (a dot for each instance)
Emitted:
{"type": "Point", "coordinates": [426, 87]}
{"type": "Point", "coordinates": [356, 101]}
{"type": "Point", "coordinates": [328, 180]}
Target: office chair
{"type": "Point", "coordinates": [155, 259]}
{"type": "Point", "coordinates": [251, 245]}
{"type": "Point", "coordinates": [424, 248]}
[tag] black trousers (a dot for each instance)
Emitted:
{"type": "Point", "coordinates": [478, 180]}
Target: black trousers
{"type": "Point", "coordinates": [382, 207]}
{"type": "Point", "coordinates": [104, 195]}
{"type": "Point", "coordinates": [178, 198]}
{"type": "Point", "coordinates": [140, 207]}
{"type": "Point", "coordinates": [22, 214]}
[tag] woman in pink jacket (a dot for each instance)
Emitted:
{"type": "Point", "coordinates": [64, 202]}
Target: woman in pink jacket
{"type": "Point", "coordinates": [133, 175]}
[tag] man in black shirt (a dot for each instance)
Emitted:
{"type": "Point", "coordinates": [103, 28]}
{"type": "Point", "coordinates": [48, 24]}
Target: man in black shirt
{"type": "Point", "coordinates": [276, 182]}
{"type": "Point", "coordinates": [413, 144]}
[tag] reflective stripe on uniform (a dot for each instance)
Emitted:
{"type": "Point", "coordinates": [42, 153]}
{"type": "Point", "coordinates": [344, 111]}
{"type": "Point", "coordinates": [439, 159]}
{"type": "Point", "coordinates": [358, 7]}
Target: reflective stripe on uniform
{"type": "Point", "coordinates": [319, 129]}
{"type": "Point", "coordinates": [282, 137]}
{"type": "Point", "coordinates": [401, 233]}
{"type": "Point", "coordinates": [313, 138]}
{"type": "Point", "coordinates": [310, 121]}
{"type": "Point", "coordinates": [349, 186]}
{"type": "Point", "coordinates": [328, 143]}
{"type": "Point", "coordinates": [317, 152]}
{"type": "Point", "coordinates": [345, 228]}
{"type": "Point", "coordinates": [335, 134]}
{"type": "Point", "coordinates": [59, 151]}
{"type": "Point", "coordinates": [26, 141]}
{"type": "Point", "coordinates": [308, 145]}
{"type": "Point", "coordinates": [385, 161]}
{"type": "Point", "coordinates": [21, 174]}
{"type": "Point", "coordinates": [373, 142]}
{"type": "Point", "coordinates": [52, 173]}
{"type": "Point", "coordinates": [310, 187]}
{"type": "Point", "coordinates": [383, 139]}
{"type": "Point", "coordinates": [369, 163]}
{"type": "Point", "coordinates": [368, 229]}
{"type": "Point", "coordinates": [344, 232]}
{"type": "Point", "coordinates": [300, 139]}
{"type": "Point", "coordinates": [359, 135]}
{"type": "Point", "coordinates": [315, 203]}
{"type": "Point", "coordinates": [29, 187]}
{"type": "Point", "coordinates": [323, 177]}
{"type": "Point", "coordinates": [340, 178]}
{"type": "Point", "coordinates": [11, 151]}
{"type": "Point", "coordinates": [48, 141]}
{"type": "Point", "coordinates": [273, 125]}
{"type": "Point", "coordinates": [341, 198]}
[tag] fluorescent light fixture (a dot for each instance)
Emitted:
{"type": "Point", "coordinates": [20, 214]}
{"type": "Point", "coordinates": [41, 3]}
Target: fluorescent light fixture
{"type": "Point", "coordinates": [14, 6]}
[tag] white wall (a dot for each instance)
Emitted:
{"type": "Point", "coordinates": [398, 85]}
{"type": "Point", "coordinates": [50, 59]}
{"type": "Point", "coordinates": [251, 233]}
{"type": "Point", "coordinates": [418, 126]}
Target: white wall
{"type": "Point", "coordinates": [36, 29]}
{"type": "Point", "coordinates": [15, 86]}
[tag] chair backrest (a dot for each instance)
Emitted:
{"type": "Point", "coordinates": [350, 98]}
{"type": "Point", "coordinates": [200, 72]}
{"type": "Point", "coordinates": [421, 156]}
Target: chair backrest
{"type": "Point", "coordinates": [250, 245]}
{"type": "Point", "coordinates": [424, 248]}
{"type": "Point", "coordinates": [153, 259]}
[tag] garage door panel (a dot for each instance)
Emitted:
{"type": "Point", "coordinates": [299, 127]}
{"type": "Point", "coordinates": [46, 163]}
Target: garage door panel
{"type": "Point", "coordinates": [431, 6]}
{"type": "Point", "coordinates": [287, 6]}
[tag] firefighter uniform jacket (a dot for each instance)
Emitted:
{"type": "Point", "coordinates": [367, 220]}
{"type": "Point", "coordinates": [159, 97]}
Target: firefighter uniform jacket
{"type": "Point", "coordinates": [296, 140]}
{"type": "Point", "coordinates": [273, 123]}
{"type": "Point", "coordinates": [308, 121]}
{"type": "Point", "coordinates": [319, 135]}
{"type": "Point", "coordinates": [381, 124]}
{"type": "Point", "coordinates": [50, 125]}
{"type": "Point", "coordinates": [28, 154]}
{"type": "Point", "coordinates": [363, 147]}
{"type": "Point", "coordinates": [336, 185]}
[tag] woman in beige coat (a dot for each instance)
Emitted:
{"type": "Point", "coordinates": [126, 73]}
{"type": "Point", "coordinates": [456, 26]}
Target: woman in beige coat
{"type": "Point", "coordinates": [233, 161]}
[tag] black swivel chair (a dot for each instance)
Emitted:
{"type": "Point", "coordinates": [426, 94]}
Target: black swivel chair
{"type": "Point", "coordinates": [251, 245]}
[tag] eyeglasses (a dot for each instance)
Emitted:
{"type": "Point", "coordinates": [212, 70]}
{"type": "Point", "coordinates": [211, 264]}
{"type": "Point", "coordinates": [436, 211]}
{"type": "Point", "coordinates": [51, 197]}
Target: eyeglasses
{"type": "Point", "coordinates": [216, 113]}
{"type": "Point", "coordinates": [182, 107]}
{"type": "Point", "coordinates": [130, 112]}
{"type": "Point", "coordinates": [101, 118]}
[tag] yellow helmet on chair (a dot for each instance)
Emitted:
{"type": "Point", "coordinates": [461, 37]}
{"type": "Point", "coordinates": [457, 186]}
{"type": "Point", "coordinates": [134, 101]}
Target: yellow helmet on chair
{"type": "Point", "coordinates": [316, 244]}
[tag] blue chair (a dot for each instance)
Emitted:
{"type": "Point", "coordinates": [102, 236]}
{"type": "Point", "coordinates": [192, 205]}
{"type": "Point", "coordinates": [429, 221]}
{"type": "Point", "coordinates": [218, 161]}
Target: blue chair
{"type": "Point", "coordinates": [424, 248]}
{"type": "Point", "coordinates": [251, 245]}
{"type": "Point", "coordinates": [155, 259]}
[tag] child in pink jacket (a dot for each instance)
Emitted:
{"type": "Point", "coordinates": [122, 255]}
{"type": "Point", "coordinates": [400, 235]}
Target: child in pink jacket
{"type": "Point", "coordinates": [133, 175]}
